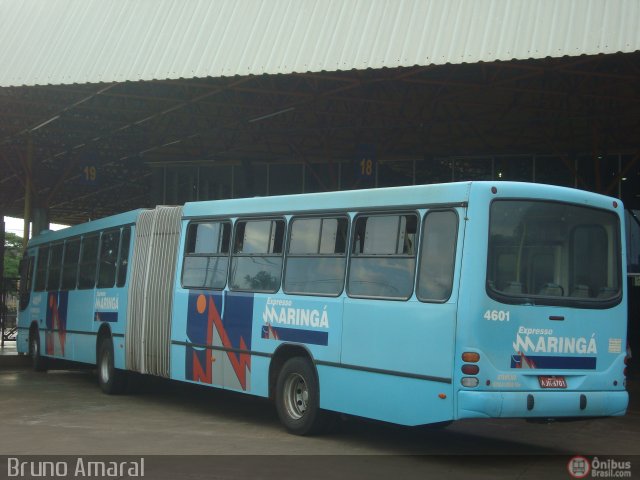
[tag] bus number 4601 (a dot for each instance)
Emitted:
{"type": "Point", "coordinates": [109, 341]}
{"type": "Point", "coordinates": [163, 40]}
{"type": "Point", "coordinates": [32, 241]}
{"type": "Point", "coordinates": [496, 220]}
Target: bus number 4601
{"type": "Point", "coordinates": [497, 315]}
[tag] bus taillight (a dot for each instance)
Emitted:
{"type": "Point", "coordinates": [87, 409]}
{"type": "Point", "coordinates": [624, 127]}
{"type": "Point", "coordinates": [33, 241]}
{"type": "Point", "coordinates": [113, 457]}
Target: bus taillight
{"type": "Point", "coordinates": [469, 382]}
{"type": "Point", "coordinates": [471, 357]}
{"type": "Point", "coordinates": [468, 369]}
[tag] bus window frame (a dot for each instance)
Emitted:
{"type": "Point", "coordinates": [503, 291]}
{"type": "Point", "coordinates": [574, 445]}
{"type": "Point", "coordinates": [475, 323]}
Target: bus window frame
{"type": "Point", "coordinates": [249, 255]}
{"type": "Point", "coordinates": [455, 255]}
{"type": "Point", "coordinates": [345, 256]}
{"type": "Point", "coordinates": [97, 234]}
{"type": "Point", "coordinates": [66, 242]}
{"type": "Point", "coordinates": [119, 259]}
{"type": "Point", "coordinates": [375, 213]}
{"type": "Point", "coordinates": [224, 220]}
{"type": "Point", "coordinates": [555, 301]}
{"type": "Point", "coordinates": [52, 245]}
{"type": "Point", "coordinates": [46, 268]}
{"type": "Point", "coordinates": [27, 279]}
{"type": "Point", "coordinates": [102, 233]}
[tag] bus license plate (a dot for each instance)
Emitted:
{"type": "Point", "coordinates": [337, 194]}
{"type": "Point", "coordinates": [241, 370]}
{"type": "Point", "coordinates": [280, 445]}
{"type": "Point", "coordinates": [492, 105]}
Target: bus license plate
{"type": "Point", "coordinates": [552, 382]}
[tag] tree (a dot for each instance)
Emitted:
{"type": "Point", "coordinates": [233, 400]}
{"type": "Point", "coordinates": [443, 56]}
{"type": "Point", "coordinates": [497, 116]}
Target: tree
{"type": "Point", "coordinates": [261, 281]}
{"type": "Point", "coordinates": [12, 254]}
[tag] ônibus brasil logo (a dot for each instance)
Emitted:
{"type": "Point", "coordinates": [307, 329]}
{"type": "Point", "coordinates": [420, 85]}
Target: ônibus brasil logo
{"type": "Point", "coordinates": [579, 467]}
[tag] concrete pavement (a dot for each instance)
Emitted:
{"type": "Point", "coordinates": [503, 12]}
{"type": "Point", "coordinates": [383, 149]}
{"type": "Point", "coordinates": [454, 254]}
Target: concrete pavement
{"type": "Point", "coordinates": [63, 412]}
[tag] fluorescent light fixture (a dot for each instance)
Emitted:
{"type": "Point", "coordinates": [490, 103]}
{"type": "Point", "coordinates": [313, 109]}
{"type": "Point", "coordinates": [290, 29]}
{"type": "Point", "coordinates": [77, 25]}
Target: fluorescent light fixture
{"type": "Point", "coordinates": [264, 117]}
{"type": "Point", "coordinates": [52, 119]}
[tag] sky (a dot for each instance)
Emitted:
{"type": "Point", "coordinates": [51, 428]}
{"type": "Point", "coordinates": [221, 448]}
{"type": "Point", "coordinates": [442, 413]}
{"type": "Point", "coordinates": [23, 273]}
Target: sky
{"type": "Point", "coordinates": [16, 225]}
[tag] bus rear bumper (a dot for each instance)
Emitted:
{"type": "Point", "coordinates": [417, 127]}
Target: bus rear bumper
{"type": "Point", "coordinates": [551, 404]}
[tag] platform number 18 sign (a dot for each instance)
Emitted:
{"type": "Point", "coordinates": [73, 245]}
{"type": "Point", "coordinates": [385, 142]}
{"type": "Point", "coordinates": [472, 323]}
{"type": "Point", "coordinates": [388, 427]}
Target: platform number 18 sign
{"type": "Point", "coordinates": [365, 165]}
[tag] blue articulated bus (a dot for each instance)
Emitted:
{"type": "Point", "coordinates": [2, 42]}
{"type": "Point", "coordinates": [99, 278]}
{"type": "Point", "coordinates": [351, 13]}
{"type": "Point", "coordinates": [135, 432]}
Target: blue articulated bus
{"type": "Point", "coordinates": [411, 305]}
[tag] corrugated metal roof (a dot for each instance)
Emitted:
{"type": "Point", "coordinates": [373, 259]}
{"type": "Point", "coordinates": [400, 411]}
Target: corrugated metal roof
{"type": "Point", "coordinates": [87, 41]}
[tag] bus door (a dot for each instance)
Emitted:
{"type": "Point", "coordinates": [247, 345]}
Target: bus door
{"type": "Point", "coordinates": [398, 334]}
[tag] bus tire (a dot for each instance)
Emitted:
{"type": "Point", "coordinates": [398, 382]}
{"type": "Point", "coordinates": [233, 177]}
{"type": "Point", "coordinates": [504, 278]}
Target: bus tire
{"type": "Point", "coordinates": [111, 380]}
{"type": "Point", "coordinates": [298, 398]}
{"type": "Point", "coordinates": [38, 362]}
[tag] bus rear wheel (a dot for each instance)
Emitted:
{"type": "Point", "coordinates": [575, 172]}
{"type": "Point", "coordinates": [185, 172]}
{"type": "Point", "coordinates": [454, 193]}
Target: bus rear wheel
{"type": "Point", "coordinates": [298, 398]}
{"type": "Point", "coordinates": [111, 380]}
{"type": "Point", "coordinates": [38, 362]}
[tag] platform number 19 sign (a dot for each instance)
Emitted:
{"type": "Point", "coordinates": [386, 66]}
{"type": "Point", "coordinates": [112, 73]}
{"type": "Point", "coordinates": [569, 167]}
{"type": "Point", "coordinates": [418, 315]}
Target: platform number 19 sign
{"type": "Point", "coordinates": [89, 174]}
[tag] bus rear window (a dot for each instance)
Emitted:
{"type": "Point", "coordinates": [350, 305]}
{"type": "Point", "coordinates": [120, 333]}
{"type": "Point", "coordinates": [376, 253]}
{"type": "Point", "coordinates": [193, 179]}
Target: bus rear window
{"type": "Point", "coordinates": [553, 253]}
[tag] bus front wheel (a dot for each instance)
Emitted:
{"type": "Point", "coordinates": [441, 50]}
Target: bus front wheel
{"type": "Point", "coordinates": [112, 381]}
{"type": "Point", "coordinates": [38, 362]}
{"type": "Point", "coordinates": [298, 398]}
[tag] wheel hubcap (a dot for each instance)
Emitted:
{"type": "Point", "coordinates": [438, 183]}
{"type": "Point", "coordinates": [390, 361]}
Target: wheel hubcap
{"type": "Point", "coordinates": [296, 396]}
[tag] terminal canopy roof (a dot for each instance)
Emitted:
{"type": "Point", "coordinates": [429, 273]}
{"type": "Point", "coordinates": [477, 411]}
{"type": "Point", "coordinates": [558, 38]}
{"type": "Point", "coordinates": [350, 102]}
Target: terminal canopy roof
{"type": "Point", "coordinates": [56, 42]}
{"type": "Point", "coordinates": [125, 85]}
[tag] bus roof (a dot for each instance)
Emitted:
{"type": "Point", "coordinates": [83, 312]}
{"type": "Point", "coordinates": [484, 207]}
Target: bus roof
{"type": "Point", "coordinates": [409, 196]}
{"type": "Point", "coordinates": [445, 193]}
{"type": "Point", "coordinates": [126, 218]}
{"type": "Point", "coordinates": [433, 194]}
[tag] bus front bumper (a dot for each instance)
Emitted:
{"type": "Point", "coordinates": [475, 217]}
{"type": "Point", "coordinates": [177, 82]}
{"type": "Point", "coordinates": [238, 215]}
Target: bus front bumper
{"type": "Point", "coordinates": [544, 404]}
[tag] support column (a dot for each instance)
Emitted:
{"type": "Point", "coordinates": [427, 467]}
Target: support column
{"type": "Point", "coordinates": [40, 219]}
{"type": "Point", "coordinates": [2, 242]}
{"type": "Point", "coordinates": [2, 292]}
{"type": "Point", "coordinates": [28, 192]}
{"type": "Point", "coordinates": [249, 187]}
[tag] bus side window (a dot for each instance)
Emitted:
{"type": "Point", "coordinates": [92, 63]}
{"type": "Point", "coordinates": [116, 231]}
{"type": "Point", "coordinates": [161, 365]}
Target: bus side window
{"type": "Point", "coordinates": [70, 265]}
{"type": "Point", "coordinates": [437, 256]}
{"type": "Point", "coordinates": [316, 258]}
{"type": "Point", "coordinates": [206, 258]}
{"type": "Point", "coordinates": [256, 263]}
{"type": "Point", "coordinates": [88, 262]}
{"type": "Point", "coordinates": [41, 270]}
{"type": "Point", "coordinates": [383, 256]}
{"type": "Point", "coordinates": [26, 275]}
{"type": "Point", "coordinates": [55, 267]}
{"type": "Point", "coordinates": [108, 258]}
{"type": "Point", "coordinates": [123, 256]}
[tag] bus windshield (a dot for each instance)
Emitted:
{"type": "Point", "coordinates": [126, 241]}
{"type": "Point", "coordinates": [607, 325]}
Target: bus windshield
{"type": "Point", "coordinates": [553, 253]}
